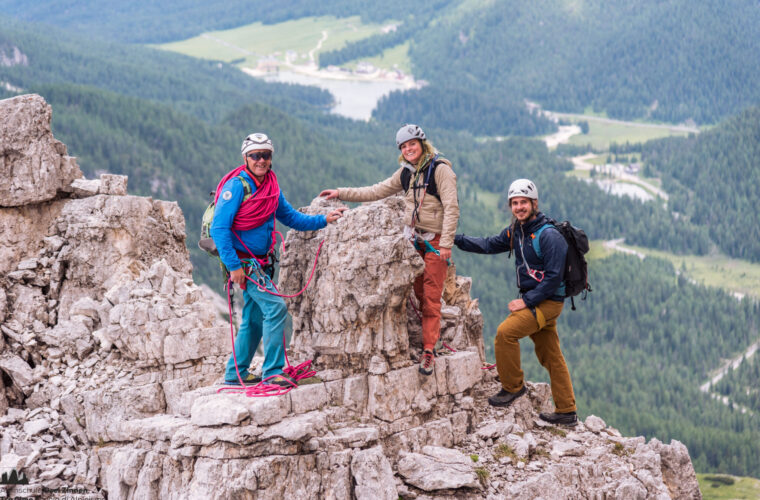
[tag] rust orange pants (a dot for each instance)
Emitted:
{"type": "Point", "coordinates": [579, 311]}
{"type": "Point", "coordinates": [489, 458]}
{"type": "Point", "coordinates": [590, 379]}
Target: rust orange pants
{"type": "Point", "coordinates": [542, 329]}
{"type": "Point", "coordinates": [428, 288]}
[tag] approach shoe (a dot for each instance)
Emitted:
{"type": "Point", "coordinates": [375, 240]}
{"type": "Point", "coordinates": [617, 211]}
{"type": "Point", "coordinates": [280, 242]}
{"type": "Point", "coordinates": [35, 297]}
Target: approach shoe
{"type": "Point", "coordinates": [427, 362]}
{"type": "Point", "coordinates": [570, 419]}
{"type": "Point", "coordinates": [249, 379]}
{"type": "Point", "coordinates": [283, 381]}
{"type": "Point", "coordinates": [505, 398]}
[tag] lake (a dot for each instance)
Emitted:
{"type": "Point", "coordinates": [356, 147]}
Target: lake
{"type": "Point", "coordinates": [354, 98]}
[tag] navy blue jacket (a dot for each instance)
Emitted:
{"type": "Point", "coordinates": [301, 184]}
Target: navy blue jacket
{"type": "Point", "coordinates": [552, 262]}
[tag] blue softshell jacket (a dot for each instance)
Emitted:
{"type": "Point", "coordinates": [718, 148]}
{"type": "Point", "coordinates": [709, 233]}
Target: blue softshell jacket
{"type": "Point", "coordinates": [552, 262]}
{"type": "Point", "coordinates": [258, 239]}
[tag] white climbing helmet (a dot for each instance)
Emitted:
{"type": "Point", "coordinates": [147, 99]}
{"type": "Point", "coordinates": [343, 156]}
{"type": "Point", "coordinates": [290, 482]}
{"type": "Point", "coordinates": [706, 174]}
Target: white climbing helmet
{"type": "Point", "coordinates": [407, 133]}
{"type": "Point", "coordinates": [523, 187]}
{"type": "Point", "coordinates": [256, 141]}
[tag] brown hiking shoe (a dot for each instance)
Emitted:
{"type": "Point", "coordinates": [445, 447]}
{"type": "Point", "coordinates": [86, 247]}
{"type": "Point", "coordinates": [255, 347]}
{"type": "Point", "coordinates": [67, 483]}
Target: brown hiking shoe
{"type": "Point", "coordinates": [427, 362]}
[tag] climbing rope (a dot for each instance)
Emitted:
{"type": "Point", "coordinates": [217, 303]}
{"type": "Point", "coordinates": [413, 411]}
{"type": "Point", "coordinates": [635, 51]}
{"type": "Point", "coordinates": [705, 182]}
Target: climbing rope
{"type": "Point", "coordinates": [299, 372]}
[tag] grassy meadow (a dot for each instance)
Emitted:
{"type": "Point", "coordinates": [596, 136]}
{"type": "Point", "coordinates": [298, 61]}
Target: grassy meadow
{"type": "Point", "coordinates": [724, 487]}
{"type": "Point", "coordinates": [732, 275]}
{"type": "Point", "coordinates": [601, 134]}
{"type": "Point", "coordinates": [247, 44]}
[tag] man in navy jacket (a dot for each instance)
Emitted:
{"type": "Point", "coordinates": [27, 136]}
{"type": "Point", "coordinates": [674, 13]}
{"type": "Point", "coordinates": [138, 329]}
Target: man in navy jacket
{"type": "Point", "coordinates": [540, 280]}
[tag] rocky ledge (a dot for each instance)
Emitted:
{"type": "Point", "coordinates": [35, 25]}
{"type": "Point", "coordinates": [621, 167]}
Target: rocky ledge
{"type": "Point", "coordinates": [110, 359]}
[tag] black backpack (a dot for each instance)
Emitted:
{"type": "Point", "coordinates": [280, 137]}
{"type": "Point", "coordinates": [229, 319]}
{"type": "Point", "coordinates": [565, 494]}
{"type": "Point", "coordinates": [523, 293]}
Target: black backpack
{"type": "Point", "coordinates": [431, 187]}
{"type": "Point", "coordinates": [576, 268]}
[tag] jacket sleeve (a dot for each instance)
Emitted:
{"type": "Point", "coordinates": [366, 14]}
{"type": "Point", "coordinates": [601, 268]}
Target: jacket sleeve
{"type": "Point", "coordinates": [492, 244]}
{"type": "Point", "coordinates": [226, 208]}
{"type": "Point", "coordinates": [382, 189]}
{"type": "Point", "coordinates": [554, 251]}
{"type": "Point", "coordinates": [446, 181]}
{"type": "Point", "coordinates": [295, 219]}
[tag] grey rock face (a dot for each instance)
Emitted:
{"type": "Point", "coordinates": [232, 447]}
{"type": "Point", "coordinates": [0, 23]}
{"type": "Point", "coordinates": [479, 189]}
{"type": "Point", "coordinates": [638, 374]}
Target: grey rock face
{"type": "Point", "coordinates": [438, 469]}
{"type": "Point", "coordinates": [356, 316]}
{"type": "Point", "coordinates": [112, 354]}
{"type": "Point", "coordinates": [373, 475]}
{"type": "Point", "coordinates": [33, 165]}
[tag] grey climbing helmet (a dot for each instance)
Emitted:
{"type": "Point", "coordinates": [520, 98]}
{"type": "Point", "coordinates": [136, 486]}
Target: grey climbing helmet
{"type": "Point", "coordinates": [407, 133]}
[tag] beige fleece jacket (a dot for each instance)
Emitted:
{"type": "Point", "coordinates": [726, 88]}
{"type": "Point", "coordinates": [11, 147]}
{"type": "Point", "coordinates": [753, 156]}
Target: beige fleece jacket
{"type": "Point", "coordinates": [435, 216]}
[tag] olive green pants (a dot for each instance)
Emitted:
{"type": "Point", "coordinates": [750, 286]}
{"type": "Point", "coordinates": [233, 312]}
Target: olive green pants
{"type": "Point", "coordinates": [542, 329]}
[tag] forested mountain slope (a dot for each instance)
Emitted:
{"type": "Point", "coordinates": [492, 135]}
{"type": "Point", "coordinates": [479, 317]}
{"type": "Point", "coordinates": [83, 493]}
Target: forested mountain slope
{"type": "Point", "coordinates": [208, 90]}
{"type": "Point", "coordinates": [145, 21]}
{"type": "Point", "coordinates": [714, 180]}
{"type": "Point", "coordinates": [669, 61]}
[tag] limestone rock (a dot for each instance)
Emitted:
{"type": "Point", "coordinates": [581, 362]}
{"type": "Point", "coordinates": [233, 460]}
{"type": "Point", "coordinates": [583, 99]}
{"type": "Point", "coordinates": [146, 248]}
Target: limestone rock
{"type": "Point", "coordinates": [18, 370]}
{"type": "Point", "coordinates": [677, 469]}
{"type": "Point", "coordinates": [438, 469]}
{"type": "Point", "coordinates": [33, 165]}
{"type": "Point", "coordinates": [217, 410]}
{"type": "Point", "coordinates": [356, 305]}
{"type": "Point", "coordinates": [373, 476]}
{"type": "Point", "coordinates": [595, 424]}
{"type": "Point", "coordinates": [34, 427]}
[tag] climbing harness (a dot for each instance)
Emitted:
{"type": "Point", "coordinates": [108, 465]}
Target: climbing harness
{"type": "Point", "coordinates": [296, 373]}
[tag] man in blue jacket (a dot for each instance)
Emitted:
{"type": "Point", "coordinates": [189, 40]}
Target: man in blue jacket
{"type": "Point", "coordinates": [247, 202]}
{"type": "Point", "coordinates": [540, 279]}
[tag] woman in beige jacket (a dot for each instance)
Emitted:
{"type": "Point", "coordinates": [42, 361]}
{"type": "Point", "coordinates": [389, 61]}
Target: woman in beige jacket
{"type": "Point", "coordinates": [431, 216]}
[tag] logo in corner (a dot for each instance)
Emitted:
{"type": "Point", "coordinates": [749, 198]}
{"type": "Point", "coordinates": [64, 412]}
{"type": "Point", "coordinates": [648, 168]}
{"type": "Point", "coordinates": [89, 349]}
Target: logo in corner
{"type": "Point", "coordinates": [14, 478]}
{"type": "Point", "coordinates": [227, 195]}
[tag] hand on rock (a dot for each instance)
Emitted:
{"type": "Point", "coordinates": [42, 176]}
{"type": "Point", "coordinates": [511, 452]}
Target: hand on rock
{"type": "Point", "coordinates": [335, 214]}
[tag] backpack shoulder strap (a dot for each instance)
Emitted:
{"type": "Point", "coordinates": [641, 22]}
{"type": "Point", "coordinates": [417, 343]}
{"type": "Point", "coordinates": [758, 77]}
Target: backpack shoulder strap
{"type": "Point", "coordinates": [406, 178]}
{"type": "Point", "coordinates": [432, 187]}
{"type": "Point", "coordinates": [246, 188]}
{"type": "Point", "coordinates": [535, 236]}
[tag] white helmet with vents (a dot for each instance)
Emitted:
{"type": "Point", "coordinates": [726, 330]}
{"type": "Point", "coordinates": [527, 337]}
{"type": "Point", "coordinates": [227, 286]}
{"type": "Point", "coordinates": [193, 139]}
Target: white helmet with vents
{"type": "Point", "coordinates": [255, 142]}
{"type": "Point", "coordinates": [407, 133]}
{"type": "Point", "coordinates": [523, 187]}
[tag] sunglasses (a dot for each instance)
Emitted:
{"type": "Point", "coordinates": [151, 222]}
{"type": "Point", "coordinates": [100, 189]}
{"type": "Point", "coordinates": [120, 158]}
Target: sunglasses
{"type": "Point", "coordinates": [260, 156]}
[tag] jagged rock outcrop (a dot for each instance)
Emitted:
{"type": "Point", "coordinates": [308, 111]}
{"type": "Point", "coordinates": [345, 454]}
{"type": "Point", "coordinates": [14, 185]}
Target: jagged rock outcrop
{"type": "Point", "coordinates": [366, 320]}
{"type": "Point", "coordinates": [110, 359]}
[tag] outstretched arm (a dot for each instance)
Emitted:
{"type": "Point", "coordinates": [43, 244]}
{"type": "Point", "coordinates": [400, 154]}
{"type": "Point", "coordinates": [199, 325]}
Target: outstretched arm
{"type": "Point", "coordinates": [489, 245]}
{"type": "Point", "coordinates": [382, 189]}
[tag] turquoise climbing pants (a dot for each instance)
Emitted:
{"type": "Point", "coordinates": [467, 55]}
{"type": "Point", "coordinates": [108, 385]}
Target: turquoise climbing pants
{"type": "Point", "coordinates": [263, 317]}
